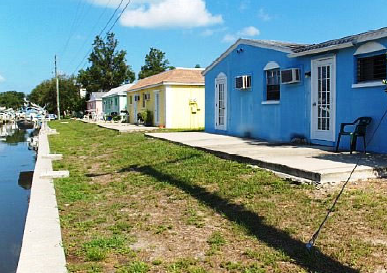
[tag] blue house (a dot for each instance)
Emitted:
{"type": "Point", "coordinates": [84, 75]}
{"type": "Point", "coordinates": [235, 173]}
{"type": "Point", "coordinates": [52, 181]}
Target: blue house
{"type": "Point", "coordinates": [278, 91]}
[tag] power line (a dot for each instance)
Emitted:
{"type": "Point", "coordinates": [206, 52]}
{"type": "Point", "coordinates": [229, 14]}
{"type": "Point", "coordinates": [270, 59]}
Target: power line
{"type": "Point", "coordinates": [88, 53]}
{"type": "Point", "coordinates": [71, 28]}
{"type": "Point", "coordinates": [118, 18]}
{"type": "Point", "coordinates": [76, 23]}
{"type": "Point", "coordinates": [110, 19]}
{"type": "Point", "coordinates": [92, 31]}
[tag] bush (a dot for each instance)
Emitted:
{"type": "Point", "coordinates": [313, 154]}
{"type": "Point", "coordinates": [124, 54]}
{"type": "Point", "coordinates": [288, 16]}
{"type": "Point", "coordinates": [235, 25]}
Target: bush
{"type": "Point", "coordinates": [147, 117]}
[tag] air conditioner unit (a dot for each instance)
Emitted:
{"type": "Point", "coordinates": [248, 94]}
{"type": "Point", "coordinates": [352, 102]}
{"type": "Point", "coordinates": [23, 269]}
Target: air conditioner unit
{"type": "Point", "coordinates": [291, 75]}
{"type": "Point", "coordinates": [243, 82]}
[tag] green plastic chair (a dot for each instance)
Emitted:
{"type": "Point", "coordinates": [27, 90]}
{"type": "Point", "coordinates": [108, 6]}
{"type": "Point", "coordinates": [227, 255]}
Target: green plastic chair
{"type": "Point", "coordinates": [360, 131]}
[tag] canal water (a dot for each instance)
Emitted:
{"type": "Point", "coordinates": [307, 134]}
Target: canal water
{"type": "Point", "coordinates": [17, 163]}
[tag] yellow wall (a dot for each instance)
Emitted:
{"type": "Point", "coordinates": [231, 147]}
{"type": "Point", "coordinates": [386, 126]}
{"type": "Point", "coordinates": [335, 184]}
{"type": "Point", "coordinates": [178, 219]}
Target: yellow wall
{"type": "Point", "coordinates": [188, 106]}
{"type": "Point", "coordinates": [149, 104]}
{"type": "Point", "coordinates": [181, 105]}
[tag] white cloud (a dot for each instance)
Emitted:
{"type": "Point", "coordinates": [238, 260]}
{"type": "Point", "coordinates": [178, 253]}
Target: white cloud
{"type": "Point", "coordinates": [229, 38]}
{"type": "Point", "coordinates": [245, 32]}
{"type": "Point", "coordinates": [264, 16]}
{"type": "Point", "coordinates": [209, 32]}
{"type": "Point", "coordinates": [244, 5]}
{"type": "Point", "coordinates": [170, 14]}
{"type": "Point", "coordinates": [249, 31]}
{"type": "Point", "coordinates": [2, 79]}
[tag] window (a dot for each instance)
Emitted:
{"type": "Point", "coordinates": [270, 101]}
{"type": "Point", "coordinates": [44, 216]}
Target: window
{"type": "Point", "coordinates": [130, 100]}
{"type": "Point", "coordinates": [273, 84]}
{"type": "Point", "coordinates": [143, 100]}
{"type": "Point", "coordinates": [115, 101]}
{"type": "Point", "coordinates": [371, 68]}
{"type": "Point", "coordinates": [243, 82]}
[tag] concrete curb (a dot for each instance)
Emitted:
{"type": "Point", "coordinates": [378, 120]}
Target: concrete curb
{"type": "Point", "coordinates": [304, 167]}
{"type": "Point", "coordinates": [42, 249]}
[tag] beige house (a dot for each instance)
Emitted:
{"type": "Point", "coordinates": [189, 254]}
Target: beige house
{"type": "Point", "coordinates": [174, 97]}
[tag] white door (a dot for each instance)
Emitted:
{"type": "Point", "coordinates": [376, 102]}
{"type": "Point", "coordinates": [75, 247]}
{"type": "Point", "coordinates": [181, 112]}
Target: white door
{"type": "Point", "coordinates": [157, 108]}
{"type": "Point", "coordinates": [323, 103]}
{"type": "Point", "coordinates": [221, 102]}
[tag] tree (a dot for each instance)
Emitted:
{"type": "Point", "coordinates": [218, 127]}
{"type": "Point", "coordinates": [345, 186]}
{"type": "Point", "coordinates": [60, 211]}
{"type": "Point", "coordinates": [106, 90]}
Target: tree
{"type": "Point", "coordinates": [155, 63]}
{"type": "Point", "coordinates": [12, 99]}
{"type": "Point", "coordinates": [44, 94]}
{"type": "Point", "coordinates": [108, 66]}
{"type": "Point", "coordinates": [197, 66]}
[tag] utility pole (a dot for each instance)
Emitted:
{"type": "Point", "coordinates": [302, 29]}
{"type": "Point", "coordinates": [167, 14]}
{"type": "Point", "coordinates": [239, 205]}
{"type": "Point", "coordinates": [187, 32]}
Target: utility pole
{"type": "Point", "coordinates": [57, 90]}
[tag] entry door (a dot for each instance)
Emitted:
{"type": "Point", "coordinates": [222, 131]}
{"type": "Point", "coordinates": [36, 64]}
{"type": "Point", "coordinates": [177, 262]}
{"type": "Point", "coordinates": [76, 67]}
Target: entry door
{"type": "Point", "coordinates": [135, 110]}
{"type": "Point", "coordinates": [323, 103]}
{"type": "Point", "coordinates": [157, 108]}
{"type": "Point", "coordinates": [221, 103]}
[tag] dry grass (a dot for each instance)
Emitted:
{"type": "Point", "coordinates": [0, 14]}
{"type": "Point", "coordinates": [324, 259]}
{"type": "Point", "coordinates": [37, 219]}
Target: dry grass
{"type": "Point", "coordinates": [134, 204]}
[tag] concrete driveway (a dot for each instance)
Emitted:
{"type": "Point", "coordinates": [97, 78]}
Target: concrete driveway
{"type": "Point", "coordinates": [317, 164]}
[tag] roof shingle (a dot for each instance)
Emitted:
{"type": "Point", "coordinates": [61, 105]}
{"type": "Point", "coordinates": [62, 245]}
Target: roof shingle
{"type": "Point", "coordinates": [178, 75]}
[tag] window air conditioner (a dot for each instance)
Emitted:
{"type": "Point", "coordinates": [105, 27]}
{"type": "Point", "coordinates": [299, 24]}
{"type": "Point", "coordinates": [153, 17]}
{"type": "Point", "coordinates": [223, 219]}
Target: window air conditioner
{"type": "Point", "coordinates": [291, 75]}
{"type": "Point", "coordinates": [243, 82]}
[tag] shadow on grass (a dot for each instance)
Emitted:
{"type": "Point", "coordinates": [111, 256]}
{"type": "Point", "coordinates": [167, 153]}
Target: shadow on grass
{"type": "Point", "coordinates": [314, 261]}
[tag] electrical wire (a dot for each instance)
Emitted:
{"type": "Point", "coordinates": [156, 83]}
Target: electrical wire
{"type": "Point", "coordinates": [314, 237]}
{"type": "Point", "coordinates": [77, 22]}
{"type": "Point", "coordinates": [88, 53]}
{"type": "Point", "coordinates": [118, 18]}
{"type": "Point", "coordinates": [91, 32]}
{"type": "Point", "coordinates": [71, 29]}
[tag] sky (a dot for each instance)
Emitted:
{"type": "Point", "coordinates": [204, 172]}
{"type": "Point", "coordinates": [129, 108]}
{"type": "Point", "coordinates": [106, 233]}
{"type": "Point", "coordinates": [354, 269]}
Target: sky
{"type": "Point", "coordinates": [190, 32]}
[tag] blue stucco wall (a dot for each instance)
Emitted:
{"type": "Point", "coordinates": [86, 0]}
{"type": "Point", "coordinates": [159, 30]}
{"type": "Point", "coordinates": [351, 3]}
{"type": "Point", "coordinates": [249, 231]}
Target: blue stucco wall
{"type": "Point", "coordinates": [248, 117]}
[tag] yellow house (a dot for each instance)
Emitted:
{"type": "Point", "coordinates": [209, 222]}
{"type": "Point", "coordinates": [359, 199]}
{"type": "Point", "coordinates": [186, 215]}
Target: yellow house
{"type": "Point", "coordinates": [174, 97]}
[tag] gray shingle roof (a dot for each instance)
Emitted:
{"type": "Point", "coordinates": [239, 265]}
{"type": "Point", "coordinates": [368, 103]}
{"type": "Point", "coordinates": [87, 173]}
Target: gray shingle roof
{"type": "Point", "coordinates": [289, 45]}
{"type": "Point", "coordinates": [347, 39]}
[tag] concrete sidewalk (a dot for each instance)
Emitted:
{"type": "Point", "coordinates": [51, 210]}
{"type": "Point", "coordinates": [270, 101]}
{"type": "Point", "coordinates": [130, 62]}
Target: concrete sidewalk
{"type": "Point", "coordinates": [121, 127]}
{"type": "Point", "coordinates": [42, 249]}
{"type": "Point", "coordinates": [304, 163]}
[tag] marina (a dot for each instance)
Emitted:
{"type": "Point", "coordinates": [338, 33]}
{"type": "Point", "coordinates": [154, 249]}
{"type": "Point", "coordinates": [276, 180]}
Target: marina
{"type": "Point", "coordinates": [17, 162]}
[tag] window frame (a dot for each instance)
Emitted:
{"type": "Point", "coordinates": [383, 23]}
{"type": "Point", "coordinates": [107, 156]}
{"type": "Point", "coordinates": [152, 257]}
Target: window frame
{"type": "Point", "coordinates": [278, 85]}
{"type": "Point", "coordinates": [362, 76]}
{"type": "Point", "coordinates": [249, 79]}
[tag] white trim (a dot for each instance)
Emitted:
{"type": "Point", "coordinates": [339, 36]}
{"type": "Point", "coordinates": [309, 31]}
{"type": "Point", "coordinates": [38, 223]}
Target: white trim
{"type": "Point", "coordinates": [368, 84]}
{"type": "Point", "coordinates": [320, 50]}
{"type": "Point", "coordinates": [369, 47]}
{"type": "Point", "coordinates": [270, 102]}
{"type": "Point", "coordinates": [313, 131]}
{"type": "Point", "coordinates": [256, 43]}
{"type": "Point", "coordinates": [221, 78]}
{"type": "Point", "coordinates": [168, 107]}
{"type": "Point", "coordinates": [271, 65]}
{"type": "Point", "coordinates": [381, 33]}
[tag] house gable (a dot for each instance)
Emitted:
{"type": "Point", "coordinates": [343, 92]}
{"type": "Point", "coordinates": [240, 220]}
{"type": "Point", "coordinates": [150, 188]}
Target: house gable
{"type": "Point", "coordinates": [273, 45]}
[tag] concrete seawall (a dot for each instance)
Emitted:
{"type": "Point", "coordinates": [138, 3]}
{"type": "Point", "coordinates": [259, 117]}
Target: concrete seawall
{"type": "Point", "coordinates": [42, 249]}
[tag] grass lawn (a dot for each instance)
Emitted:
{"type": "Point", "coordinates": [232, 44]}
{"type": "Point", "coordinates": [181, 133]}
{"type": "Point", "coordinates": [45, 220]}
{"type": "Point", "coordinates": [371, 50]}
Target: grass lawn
{"type": "Point", "coordinates": [135, 204]}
